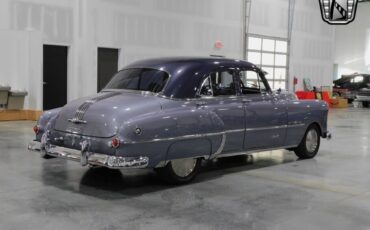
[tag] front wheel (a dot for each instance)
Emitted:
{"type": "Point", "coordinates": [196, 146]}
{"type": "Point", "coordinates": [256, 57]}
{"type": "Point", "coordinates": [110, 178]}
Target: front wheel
{"type": "Point", "coordinates": [310, 143]}
{"type": "Point", "coordinates": [365, 104]}
{"type": "Point", "coordinates": [180, 171]}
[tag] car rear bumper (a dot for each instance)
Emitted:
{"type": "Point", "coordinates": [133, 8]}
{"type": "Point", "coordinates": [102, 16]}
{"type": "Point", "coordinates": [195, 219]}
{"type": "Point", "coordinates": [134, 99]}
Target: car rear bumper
{"type": "Point", "coordinates": [88, 158]}
{"type": "Point", "coordinates": [362, 98]}
{"type": "Point", "coordinates": [327, 135]}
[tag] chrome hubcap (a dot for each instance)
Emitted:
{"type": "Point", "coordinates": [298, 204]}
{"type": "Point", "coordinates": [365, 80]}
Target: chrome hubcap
{"type": "Point", "coordinates": [183, 167]}
{"type": "Point", "coordinates": [311, 140]}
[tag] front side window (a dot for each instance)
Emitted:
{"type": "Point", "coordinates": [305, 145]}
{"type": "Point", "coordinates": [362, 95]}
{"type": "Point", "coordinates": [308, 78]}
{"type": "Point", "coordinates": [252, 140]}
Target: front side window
{"type": "Point", "coordinates": [251, 82]}
{"type": "Point", "coordinates": [141, 79]}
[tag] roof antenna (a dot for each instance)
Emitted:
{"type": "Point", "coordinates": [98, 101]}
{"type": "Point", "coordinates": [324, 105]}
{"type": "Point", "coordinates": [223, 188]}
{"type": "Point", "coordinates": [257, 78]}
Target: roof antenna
{"type": "Point", "coordinates": [218, 56]}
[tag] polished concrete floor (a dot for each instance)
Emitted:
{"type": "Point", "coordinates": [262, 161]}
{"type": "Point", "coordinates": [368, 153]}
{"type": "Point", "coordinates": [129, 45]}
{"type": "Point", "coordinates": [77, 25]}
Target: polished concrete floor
{"type": "Point", "coordinates": [269, 190]}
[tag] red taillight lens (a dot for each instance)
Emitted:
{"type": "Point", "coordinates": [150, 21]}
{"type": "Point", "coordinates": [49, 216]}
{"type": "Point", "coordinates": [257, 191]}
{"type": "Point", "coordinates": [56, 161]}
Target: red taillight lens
{"type": "Point", "coordinates": [115, 142]}
{"type": "Point", "coordinates": [36, 129]}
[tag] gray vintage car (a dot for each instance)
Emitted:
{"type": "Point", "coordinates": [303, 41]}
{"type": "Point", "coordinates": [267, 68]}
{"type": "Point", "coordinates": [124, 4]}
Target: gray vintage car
{"type": "Point", "coordinates": [169, 114]}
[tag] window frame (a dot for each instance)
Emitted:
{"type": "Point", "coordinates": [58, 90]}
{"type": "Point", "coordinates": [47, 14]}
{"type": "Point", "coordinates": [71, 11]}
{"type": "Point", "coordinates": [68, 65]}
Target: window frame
{"type": "Point", "coordinates": [236, 75]}
{"type": "Point", "coordinates": [208, 76]}
{"type": "Point", "coordinates": [260, 51]}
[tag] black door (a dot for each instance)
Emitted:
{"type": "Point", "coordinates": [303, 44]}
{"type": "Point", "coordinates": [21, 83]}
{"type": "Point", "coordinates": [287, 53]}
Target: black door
{"type": "Point", "coordinates": [55, 76]}
{"type": "Point", "coordinates": [107, 65]}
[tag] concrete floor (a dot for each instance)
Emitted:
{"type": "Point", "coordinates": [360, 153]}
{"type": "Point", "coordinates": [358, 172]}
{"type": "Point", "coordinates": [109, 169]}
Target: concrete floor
{"type": "Point", "coordinates": [271, 190]}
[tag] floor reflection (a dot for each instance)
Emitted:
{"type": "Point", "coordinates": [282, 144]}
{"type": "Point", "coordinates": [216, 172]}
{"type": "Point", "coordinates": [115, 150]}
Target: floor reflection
{"type": "Point", "coordinates": [119, 184]}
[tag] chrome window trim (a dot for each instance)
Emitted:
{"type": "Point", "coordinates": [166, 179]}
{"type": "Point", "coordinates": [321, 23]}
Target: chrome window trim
{"type": "Point", "coordinates": [200, 89]}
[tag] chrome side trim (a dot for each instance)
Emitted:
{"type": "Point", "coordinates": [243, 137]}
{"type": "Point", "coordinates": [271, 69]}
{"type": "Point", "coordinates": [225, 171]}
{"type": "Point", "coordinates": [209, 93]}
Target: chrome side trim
{"type": "Point", "coordinates": [275, 127]}
{"type": "Point", "coordinates": [266, 128]}
{"type": "Point", "coordinates": [193, 136]}
{"type": "Point", "coordinates": [296, 125]}
{"type": "Point", "coordinates": [221, 147]}
{"type": "Point", "coordinates": [234, 131]}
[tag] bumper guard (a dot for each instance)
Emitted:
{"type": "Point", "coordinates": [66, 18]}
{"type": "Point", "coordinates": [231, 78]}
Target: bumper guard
{"type": "Point", "coordinates": [88, 158]}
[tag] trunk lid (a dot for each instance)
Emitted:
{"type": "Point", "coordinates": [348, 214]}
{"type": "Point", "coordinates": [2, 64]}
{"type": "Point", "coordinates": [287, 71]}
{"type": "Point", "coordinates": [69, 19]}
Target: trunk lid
{"type": "Point", "coordinates": [103, 114]}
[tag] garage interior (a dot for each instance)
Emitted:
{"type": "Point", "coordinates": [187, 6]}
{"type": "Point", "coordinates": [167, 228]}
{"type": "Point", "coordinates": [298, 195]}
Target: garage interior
{"type": "Point", "coordinates": [53, 52]}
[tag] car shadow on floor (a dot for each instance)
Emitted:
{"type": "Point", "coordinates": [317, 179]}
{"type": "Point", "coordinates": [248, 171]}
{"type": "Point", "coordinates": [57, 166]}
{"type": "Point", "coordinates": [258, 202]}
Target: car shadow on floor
{"type": "Point", "coordinates": [111, 184]}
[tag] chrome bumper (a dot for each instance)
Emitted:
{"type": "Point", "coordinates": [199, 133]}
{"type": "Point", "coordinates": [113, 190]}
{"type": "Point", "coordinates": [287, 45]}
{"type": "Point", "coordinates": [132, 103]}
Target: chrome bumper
{"type": "Point", "coordinates": [363, 98]}
{"type": "Point", "coordinates": [87, 158]}
{"type": "Point", "coordinates": [327, 135]}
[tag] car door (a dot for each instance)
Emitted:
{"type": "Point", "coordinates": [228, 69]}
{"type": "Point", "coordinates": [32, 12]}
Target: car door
{"type": "Point", "coordinates": [219, 96]}
{"type": "Point", "coordinates": [265, 113]}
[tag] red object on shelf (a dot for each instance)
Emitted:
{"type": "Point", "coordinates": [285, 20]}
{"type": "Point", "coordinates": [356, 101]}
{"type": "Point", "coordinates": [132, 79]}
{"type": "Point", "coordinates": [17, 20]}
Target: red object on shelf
{"type": "Point", "coordinates": [305, 95]}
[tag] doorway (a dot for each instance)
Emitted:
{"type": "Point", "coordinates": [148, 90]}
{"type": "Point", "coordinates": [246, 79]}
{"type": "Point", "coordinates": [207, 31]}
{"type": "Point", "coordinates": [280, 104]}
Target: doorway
{"type": "Point", "coordinates": [107, 65]}
{"type": "Point", "coordinates": [55, 76]}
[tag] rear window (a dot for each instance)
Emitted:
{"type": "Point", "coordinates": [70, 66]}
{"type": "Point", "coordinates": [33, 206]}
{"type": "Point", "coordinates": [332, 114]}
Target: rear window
{"type": "Point", "coordinates": [141, 79]}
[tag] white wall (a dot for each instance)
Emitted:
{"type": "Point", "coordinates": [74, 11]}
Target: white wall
{"type": "Point", "coordinates": [139, 28]}
{"type": "Point", "coordinates": [312, 46]}
{"type": "Point", "coordinates": [352, 43]}
{"type": "Point", "coordinates": [149, 28]}
{"type": "Point", "coordinates": [312, 39]}
{"type": "Point", "coordinates": [20, 64]}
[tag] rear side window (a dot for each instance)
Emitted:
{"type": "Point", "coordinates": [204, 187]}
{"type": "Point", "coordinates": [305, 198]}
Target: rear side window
{"type": "Point", "coordinates": [141, 79]}
{"type": "Point", "coordinates": [218, 84]}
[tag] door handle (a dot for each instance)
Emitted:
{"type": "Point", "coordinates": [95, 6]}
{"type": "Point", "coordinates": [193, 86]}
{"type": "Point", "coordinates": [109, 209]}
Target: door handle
{"type": "Point", "coordinates": [44, 82]}
{"type": "Point", "coordinates": [246, 101]}
{"type": "Point", "coordinates": [201, 103]}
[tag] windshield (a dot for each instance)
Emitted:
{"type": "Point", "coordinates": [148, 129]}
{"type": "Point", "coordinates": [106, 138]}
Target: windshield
{"type": "Point", "coordinates": [139, 79]}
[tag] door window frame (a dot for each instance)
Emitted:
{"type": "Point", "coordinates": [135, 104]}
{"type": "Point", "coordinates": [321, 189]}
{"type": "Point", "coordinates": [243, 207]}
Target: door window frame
{"type": "Point", "coordinates": [208, 76]}
{"type": "Point", "coordinates": [261, 78]}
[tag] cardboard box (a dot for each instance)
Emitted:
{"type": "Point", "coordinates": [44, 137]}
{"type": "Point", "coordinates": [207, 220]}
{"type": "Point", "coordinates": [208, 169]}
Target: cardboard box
{"type": "Point", "coordinates": [339, 103]}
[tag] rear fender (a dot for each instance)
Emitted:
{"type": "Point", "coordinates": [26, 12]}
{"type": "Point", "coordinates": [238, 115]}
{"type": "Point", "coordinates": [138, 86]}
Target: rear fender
{"type": "Point", "coordinates": [174, 133]}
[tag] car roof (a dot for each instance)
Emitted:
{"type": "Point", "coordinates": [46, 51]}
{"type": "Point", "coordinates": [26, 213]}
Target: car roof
{"type": "Point", "coordinates": [186, 73]}
{"type": "Point", "coordinates": [355, 75]}
{"type": "Point", "coordinates": [161, 62]}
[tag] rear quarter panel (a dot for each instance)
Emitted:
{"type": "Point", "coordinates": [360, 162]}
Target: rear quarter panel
{"type": "Point", "coordinates": [303, 113]}
{"type": "Point", "coordinates": [169, 134]}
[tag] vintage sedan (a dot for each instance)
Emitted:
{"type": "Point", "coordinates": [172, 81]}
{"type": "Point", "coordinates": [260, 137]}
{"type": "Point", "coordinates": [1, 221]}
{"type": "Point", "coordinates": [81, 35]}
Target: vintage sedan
{"type": "Point", "coordinates": [169, 114]}
{"type": "Point", "coordinates": [354, 87]}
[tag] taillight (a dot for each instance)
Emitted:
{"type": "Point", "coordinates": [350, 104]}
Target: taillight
{"type": "Point", "coordinates": [115, 142]}
{"type": "Point", "coordinates": [36, 129]}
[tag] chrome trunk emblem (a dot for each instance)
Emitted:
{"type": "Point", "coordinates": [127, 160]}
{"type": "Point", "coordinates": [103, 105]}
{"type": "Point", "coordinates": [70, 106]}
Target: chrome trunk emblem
{"type": "Point", "coordinates": [80, 112]}
{"type": "Point", "coordinates": [77, 121]}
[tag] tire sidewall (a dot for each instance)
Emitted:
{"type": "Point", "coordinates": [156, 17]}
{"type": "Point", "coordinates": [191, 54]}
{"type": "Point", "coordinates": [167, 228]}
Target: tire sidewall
{"type": "Point", "coordinates": [307, 152]}
{"type": "Point", "coordinates": [168, 174]}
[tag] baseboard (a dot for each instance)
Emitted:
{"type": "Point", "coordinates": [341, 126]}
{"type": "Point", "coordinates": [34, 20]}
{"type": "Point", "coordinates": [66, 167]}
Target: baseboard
{"type": "Point", "coordinates": [19, 115]}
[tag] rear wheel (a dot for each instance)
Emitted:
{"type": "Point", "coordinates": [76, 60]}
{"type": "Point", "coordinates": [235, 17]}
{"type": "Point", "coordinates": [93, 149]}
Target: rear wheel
{"type": "Point", "coordinates": [365, 104]}
{"type": "Point", "coordinates": [310, 144]}
{"type": "Point", "coordinates": [180, 171]}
